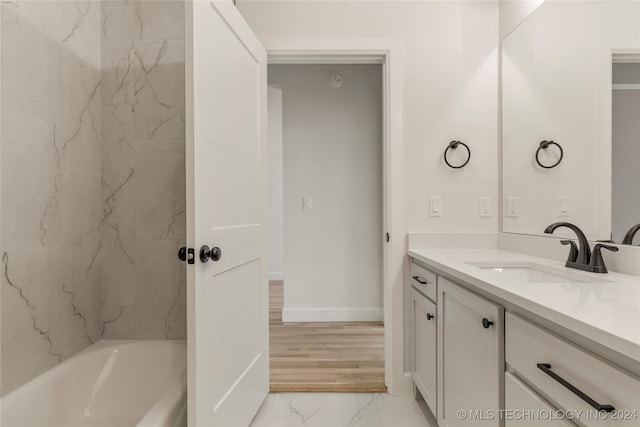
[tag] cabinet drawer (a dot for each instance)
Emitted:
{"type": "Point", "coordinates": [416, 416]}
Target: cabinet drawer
{"type": "Point", "coordinates": [530, 350]}
{"type": "Point", "coordinates": [424, 281]}
{"type": "Point", "coordinates": [525, 408]}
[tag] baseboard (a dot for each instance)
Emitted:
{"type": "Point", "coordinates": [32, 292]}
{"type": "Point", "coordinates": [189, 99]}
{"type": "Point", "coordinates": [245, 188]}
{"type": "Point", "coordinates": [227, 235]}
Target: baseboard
{"type": "Point", "coordinates": [332, 314]}
{"type": "Point", "coordinates": [277, 275]}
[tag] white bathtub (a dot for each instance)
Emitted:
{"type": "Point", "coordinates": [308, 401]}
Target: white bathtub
{"type": "Point", "coordinates": [112, 383]}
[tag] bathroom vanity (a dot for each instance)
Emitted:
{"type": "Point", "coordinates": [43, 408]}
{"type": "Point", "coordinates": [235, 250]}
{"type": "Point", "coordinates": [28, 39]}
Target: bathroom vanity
{"type": "Point", "coordinates": [506, 339]}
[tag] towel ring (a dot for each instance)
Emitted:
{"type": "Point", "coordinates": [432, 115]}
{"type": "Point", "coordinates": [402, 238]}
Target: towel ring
{"type": "Point", "coordinates": [544, 145]}
{"type": "Point", "coordinates": [453, 145]}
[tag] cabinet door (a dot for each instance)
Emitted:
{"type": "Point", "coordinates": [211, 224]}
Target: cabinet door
{"type": "Point", "coordinates": [524, 408]}
{"type": "Point", "coordinates": [470, 358]}
{"type": "Point", "coordinates": [424, 348]}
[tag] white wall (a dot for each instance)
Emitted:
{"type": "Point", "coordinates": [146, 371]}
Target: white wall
{"type": "Point", "coordinates": [332, 146]}
{"type": "Point", "coordinates": [513, 12]}
{"type": "Point", "coordinates": [276, 231]}
{"type": "Point", "coordinates": [450, 90]}
{"type": "Point", "coordinates": [553, 90]}
{"type": "Point", "coordinates": [625, 210]}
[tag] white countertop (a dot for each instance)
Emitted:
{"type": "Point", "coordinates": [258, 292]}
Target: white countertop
{"type": "Point", "coordinates": [606, 311]}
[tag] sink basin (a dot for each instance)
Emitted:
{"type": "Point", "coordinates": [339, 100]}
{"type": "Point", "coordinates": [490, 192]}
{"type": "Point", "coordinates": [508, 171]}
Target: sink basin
{"type": "Point", "coordinates": [530, 272]}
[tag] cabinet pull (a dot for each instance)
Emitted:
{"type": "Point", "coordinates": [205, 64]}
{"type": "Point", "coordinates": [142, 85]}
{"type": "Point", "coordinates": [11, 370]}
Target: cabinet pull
{"type": "Point", "coordinates": [429, 316]}
{"type": "Point", "coordinates": [486, 323]}
{"type": "Point", "coordinates": [546, 368]}
{"type": "Point", "coordinates": [420, 280]}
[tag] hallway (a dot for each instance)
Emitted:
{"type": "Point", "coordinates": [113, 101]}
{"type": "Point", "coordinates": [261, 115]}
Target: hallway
{"type": "Point", "coordinates": [323, 357]}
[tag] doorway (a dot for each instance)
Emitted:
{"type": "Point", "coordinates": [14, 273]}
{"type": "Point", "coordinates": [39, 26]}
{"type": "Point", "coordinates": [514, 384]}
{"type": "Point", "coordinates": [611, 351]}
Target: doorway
{"type": "Point", "coordinates": [326, 227]}
{"type": "Point", "coordinates": [625, 108]}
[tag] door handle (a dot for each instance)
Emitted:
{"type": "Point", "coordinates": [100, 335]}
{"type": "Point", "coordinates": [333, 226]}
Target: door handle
{"type": "Point", "coordinates": [486, 323]}
{"type": "Point", "coordinates": [546, 368]}
{"type": "Point", "coordinates": [213, 254]}
{"type": "Point", "coordinates": [429, 316]}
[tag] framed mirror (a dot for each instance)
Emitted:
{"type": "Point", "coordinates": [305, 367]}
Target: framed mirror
{"type": "Point", "coordinates": [571, 119]}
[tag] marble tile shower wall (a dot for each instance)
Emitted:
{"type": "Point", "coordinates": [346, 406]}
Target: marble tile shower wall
{"type": "Point", "coordinates": [92, 163]}
{"type": "Point", "coordinates": [143, 91]}
{"type": "Point", "coordinates": [51, 184]}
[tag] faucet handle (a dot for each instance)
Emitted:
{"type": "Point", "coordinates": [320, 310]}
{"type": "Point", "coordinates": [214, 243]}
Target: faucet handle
{"type": "Point", "coordinates": [597, 262]}
{"type": "Point", "coordinates": [573, 250]}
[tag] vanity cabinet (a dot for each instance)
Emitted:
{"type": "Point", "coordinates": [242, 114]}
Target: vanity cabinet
{"type": "Point", "coordinates": [470, 358]}
{"type": "Point", "coordinates": [502, 368]}
{"type": "Point", "coordinates": [561, 372]}
{"type": "Point", "coordinates": [424, 344]}
{"type": "Point", "coordinates": [424, 347]}
{"type": "Point", "coordinates": [523, 405]}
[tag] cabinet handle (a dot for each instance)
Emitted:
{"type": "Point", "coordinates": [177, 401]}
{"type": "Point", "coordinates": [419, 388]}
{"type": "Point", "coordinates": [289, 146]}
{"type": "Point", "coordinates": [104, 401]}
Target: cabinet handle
{"type": "Point", "coordinates": [546, 368]}
{"type": "Point", "coordinates": [429, 316]}
{"type": "Point", "coordinates": [420, 280]}
{"type": "Point", "coordinates": [486, 323]}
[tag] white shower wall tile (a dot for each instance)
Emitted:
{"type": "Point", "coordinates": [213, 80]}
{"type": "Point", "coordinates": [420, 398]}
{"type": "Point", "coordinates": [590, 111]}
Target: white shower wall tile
{"type": "Point", "coordinates": [79, 146]}
{"type": "Point", "coordinates": [31, 313]}
{"type": "Point", "coordinates": [79, 198]}
{"type": "Point", "coordinates": [160, 189]}
{"type": "Point", "coordinates": [158, 20]}
{"type": "Point", "coordinates": [29, 164]}
{"type": "Point", "coordinates": [80, 321]}
{"type": "Point", "coordinates": [159, 290]}
{"type": "Point", "coordinates": [143, 282]}
{"type": "Point", "coordinates": [118, 322]}
{"type": "Point", "coordinates": [92, 107]}
{"type": "Point", "coordinates": [118, 154]}
{"type": "Point", "coordinates": [31, 82]}
{"type": "Point", "coordinates": [51, 184]}
{"type": "Point", "coordinates": [80, 19]}
{"type": "Point", "coordinates": [117, 52]}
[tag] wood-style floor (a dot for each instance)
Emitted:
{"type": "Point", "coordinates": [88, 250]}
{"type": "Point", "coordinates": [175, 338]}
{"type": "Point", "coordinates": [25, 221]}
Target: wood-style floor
{"type": "Point", "coordinates": [332, 357]}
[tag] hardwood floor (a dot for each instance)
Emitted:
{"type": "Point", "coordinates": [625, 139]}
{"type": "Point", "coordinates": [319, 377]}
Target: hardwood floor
{"type": "Point", "coordinates": [336, 357]}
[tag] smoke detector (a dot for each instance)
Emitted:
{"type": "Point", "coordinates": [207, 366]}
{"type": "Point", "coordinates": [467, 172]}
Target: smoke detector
{"type": "Point", "coordinates": [336, 80]}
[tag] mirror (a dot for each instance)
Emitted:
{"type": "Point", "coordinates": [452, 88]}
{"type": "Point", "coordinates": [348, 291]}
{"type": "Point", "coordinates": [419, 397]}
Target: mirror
{"type": "Point", "coordinates": [571, 96]}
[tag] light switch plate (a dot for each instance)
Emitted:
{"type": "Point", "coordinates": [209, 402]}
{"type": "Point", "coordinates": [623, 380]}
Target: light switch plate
{"type": "Point", "coordinates": [435, 206]}
{"type": "Point", "coordinates": [306, 203]}
{"type": "Point", "coordinates": [513, 206]}
{"type": "Point", "coordinates": [485, 207]}
{"type": "Point", "coordinates": [563, 206]}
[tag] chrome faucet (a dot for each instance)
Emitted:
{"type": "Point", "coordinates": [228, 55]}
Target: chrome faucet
{"type": "Point", "coordinates": [580, 257]}
{"type": "Point", "coordinates": [628, 238]}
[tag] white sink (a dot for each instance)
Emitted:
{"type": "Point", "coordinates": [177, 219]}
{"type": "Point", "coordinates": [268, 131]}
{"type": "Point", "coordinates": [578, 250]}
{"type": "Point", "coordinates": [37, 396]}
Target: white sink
{"type": "Point", "coordinates": [530, 272]}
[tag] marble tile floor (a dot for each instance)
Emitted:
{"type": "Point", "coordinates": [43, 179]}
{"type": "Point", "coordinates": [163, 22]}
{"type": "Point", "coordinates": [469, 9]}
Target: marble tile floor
{"type": "Point", "coordinates": [342, 409]}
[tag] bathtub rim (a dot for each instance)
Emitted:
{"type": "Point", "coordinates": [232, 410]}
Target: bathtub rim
{"type": "Point", "coordinates": [102, 345]}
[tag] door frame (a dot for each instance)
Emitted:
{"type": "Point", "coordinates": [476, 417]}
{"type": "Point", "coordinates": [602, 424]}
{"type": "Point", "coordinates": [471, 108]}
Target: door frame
{"type": "Point", "coordinates": [389, 54]}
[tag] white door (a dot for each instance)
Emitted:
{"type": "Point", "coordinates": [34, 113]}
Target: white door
{"type": "Point", "coordinates": [227, 301]}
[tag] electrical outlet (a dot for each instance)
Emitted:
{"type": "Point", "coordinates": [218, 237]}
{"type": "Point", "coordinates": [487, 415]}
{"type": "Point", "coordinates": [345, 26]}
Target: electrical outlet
{"type": "Point", "coordinates": [485, 207]}
{"type": "Point", "coordinates": [435, 206]}
{"type": "Point", "coordinates": [513, 206]}
{"type": "Point", "coordinates": [306, 203]}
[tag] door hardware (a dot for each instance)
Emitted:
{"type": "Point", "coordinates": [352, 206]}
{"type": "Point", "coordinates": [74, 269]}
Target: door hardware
{"type": "Point", "coordinates": [186, 254]}
{"type": "Point", "coordinates": [213, 254]}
